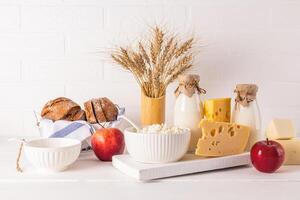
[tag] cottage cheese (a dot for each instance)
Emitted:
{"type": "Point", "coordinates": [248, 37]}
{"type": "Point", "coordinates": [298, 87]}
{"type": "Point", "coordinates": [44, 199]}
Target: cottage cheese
{"type": "Point", "coordinates": [162, 129]}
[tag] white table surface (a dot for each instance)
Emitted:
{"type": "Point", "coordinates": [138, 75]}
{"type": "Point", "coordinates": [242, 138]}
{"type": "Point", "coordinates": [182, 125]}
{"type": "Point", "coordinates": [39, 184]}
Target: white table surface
{"type": "Point", "coordinates": [90, 178]}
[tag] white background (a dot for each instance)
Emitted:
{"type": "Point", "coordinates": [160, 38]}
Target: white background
{"type": "Point", "coordinates": [51, 48]}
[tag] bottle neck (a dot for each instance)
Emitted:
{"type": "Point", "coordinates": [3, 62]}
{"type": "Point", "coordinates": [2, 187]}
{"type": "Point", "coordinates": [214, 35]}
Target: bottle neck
{"type": "Point", "coordinates": [251, 105]}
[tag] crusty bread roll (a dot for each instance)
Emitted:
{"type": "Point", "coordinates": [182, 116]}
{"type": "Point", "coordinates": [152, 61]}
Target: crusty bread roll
{"type": "Point", "coordinates": [62, 109]}
{"type": "Point", "coordinates": [100, 110]}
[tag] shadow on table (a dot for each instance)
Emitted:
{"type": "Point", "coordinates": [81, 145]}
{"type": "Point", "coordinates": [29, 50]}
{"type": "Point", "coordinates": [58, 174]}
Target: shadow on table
{"type": "Point", "coordinates": [87, 160]}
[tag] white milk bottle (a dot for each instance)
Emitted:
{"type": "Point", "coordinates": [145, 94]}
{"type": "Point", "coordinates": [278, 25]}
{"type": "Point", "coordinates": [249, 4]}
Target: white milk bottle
{"type": "Point", "coordinates": [246, 111]}
{"type": "Point", "coordinates": [188, 110]}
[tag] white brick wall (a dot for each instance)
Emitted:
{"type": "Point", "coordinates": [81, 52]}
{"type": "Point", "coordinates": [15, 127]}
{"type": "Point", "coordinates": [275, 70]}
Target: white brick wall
{"type": "Point", "coordinates": [61, 18]}
{"type": "Point", "coordinates": [51, 48]}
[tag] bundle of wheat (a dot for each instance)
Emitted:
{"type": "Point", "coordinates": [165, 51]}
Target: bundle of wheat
{"type": "Point", "coordinates": [157, 62]}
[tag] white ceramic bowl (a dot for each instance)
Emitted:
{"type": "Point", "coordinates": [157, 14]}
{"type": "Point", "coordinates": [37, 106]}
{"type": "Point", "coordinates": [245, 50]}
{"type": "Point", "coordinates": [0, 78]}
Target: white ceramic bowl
{"type": "Point", "coordinates": [52, 154]}
{"type": "Point", "coordinates": [156, 147]}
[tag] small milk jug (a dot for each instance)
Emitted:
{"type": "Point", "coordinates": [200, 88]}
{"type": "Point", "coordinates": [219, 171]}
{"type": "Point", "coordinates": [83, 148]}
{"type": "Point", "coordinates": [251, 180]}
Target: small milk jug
{"type": "Point", "coordinates": [188, 110]}
{"type": "Point", "coordinates": [246, 111]}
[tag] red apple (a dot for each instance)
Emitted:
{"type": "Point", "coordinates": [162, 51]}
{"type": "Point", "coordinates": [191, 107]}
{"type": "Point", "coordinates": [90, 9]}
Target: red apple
{"type": "Point", "coordinates": [267, 156]}
{"type": "Point", "coordinates": [107, 142]}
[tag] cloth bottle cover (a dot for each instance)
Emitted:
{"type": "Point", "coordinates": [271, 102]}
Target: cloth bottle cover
{"type": "Point", "coordinates": [188, 85]}
{"type": "Point", "coordinates": [245, 93]}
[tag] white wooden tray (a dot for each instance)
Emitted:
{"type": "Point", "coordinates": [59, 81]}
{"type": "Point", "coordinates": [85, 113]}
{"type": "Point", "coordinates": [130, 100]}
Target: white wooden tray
{"type": "Point", "coordinates": [188, 165]}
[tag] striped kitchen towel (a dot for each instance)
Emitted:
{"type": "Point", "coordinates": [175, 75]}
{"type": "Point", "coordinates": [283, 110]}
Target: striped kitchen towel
{"type": "Point", "coordinates": [80, 130]}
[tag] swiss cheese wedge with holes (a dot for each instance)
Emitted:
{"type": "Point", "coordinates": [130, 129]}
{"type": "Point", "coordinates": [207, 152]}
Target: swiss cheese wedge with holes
{"type": "Point", "coordinates": [221, 138]}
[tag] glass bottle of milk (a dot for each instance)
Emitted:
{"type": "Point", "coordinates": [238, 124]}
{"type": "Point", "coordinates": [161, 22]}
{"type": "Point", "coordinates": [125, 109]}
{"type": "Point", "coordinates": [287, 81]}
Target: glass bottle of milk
{"type": "Point", "coordinates": [246, 111]}
{"type": "Point", "coordinates": [188, 110]}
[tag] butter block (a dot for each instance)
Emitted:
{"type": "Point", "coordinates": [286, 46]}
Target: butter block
{"type": "Point", "coordinates": [221, 138]}
{"type": "Point", "coordinates": [218, 109]}
{"type": "Point", "coordinates": [291, 150]}
{"type": "Point", "coordinates": [281, 129]}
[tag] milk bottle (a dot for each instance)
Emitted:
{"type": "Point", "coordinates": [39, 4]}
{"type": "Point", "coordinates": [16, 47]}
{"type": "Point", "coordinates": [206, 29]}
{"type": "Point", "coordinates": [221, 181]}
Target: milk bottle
{"type": "Point", "coordinates": [246, 111]}
{"type": "Point", "coordinates": [188, 110]}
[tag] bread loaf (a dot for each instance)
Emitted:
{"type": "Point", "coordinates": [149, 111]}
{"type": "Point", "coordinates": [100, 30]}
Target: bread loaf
{"type": "Point", "coordinates": [90, 113]}
{"type": "Point", "coordinates": [62, 109]}
{"type": "Point", "coordinates": [80, 115]}
{"type": "Point", "coordinates": [109, 108]}
{"type": "Point", "coordinates": [100, 110]}
{"type": "Point", "coordinates": [75, 115]}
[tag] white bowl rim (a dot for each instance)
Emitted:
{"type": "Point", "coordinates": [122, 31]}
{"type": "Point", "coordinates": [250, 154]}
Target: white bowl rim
{"type": "Point", "coordinates": [129, 130]}
{"type": "Point", "coordinates": [74, 143]}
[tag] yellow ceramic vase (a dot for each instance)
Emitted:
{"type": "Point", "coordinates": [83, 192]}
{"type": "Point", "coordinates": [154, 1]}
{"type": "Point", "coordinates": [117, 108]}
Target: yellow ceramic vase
{"type": "Point", "coordinates": [152, 110]}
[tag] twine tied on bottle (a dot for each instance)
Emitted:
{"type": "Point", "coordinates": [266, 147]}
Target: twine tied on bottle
{"type": "Point", "coordinates": [188, 85]}
{"type": "Point", "coordinates": [245, 93]}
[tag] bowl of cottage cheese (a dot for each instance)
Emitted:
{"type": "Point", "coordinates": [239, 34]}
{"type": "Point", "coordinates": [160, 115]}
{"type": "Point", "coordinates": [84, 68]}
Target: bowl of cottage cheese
{"type": "Point", "coordinates": [157, 143]}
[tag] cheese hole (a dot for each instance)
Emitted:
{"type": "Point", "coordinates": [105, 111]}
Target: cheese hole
{"type": "Point", "coordinates": [227, 114]}
{"type": "Point", "coordinates": [213, 132]}
{"type": "Point", "coordinates": [209, 149]}
{"type": "Point", "coordinates": [220, 109]}
{"type": "Point", "coordinates": [221, 129]}
{"type": "Point", "coordinates": [216, 113]}
{"type": "Point", "coordinates": [238, 126]}
{"type": "Point", "coordinates": [231, 133]}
